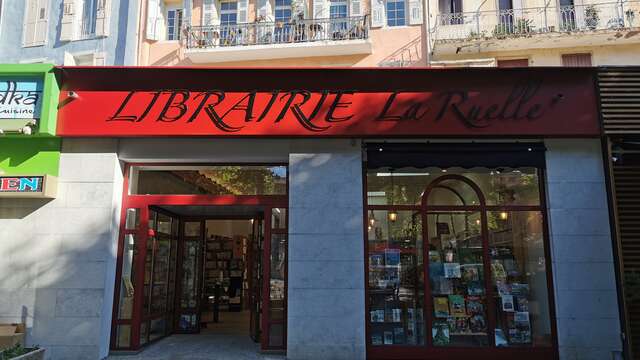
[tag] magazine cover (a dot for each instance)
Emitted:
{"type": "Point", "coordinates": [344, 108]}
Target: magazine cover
{"type": "Point", "coordinates": [477, 324]}
{"type": "Point", "coordinates": [452, 270]}
{"type": "Point", "coordinates": [474, 305]}
{"type": "Point", "coordinates": [456, 304]}
{"type": "Point", "coordinates": [475, 288]}
{"type": "Point", "coordinates": [376, 339]}
{"type": "Point", "coordinates": [392, 257]}
{"type": "Point", "coordinates": [470, 273]}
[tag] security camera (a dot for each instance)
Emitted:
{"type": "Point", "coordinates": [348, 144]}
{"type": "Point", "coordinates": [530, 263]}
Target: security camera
{"type": "Point", "coordinates": [72, 94]}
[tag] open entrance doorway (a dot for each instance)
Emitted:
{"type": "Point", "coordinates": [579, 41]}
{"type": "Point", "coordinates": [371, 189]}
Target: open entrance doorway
{"type": "Point", "coordinates": [201, 264]}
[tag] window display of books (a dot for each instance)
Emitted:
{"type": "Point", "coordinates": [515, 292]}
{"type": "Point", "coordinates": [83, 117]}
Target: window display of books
{"type": "Point", "coordinates": [458, 292]}
{"type": "Point", "coordinates": [512, 298]}
{"type": "Point", "coordinates": [395, 310]}
{"type": "Point", "coordinates": [401, 325]}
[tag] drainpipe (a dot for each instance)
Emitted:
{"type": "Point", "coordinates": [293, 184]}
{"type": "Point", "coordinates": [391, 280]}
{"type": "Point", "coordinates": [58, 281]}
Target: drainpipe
{"type": "Point", "coordinates": [426, 7]}
{"type": "Point", "coordinates": [478, 20]}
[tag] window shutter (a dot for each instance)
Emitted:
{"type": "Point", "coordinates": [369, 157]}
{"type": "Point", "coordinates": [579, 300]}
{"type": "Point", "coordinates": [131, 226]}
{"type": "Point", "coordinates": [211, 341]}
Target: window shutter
{"type": "Point", "coordinates": [517, 9]}
{"type": "Point", "coordinates": [243, 11]}
{"type": "Point", "coordinates": [29, 22]}
{"type": "Point", "coordinates": [356, 8]}
{"type": "Point", "coordinates": [377, 13]}
{"type": "Point", "coordinates": [415, 12]}
{"type": "Point", "coordinates": [210, 13]}
{"type": "Point", "coordinates": [321, 9]}
{"type": "Point", "coordinates": [103, 13]}
{"type": "Point", "coordinates": [99, 59]}
{"type": "Point", "coordinates": [153, 12]}
{"type": "Point", "coordinates": [66, 24]}
{"type": "Point", "coordinates": [42, 22]}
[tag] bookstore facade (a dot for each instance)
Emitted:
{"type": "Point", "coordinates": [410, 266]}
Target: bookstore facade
{"type": "Point", "coordinates": [453, 218]}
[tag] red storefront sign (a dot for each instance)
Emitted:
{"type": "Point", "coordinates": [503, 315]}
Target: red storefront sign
{"type": "Point", "coordinates": [358, 103]}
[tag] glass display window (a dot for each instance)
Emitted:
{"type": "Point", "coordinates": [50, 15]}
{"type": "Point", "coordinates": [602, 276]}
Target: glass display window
{"type": "Point", "coordinates": [478, 236]}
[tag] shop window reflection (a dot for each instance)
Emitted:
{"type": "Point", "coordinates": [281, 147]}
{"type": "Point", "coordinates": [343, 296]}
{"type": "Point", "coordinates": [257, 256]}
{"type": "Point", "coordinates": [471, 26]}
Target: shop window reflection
{"type": "Point", "coordinates": [518, 269]}
{"type": "Point", "coordinates": [500, 186]}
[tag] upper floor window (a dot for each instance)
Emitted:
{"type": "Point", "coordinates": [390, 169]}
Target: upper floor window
{"type": "Point", "coordinates": [164, 19]}
{"type": "Point", "coordinates": [228, 13]}
{"type": "Point", "coordinates": [283, 11]}
{"type": "Point", "coordinates": [174, 23]}
{"type": "Point", "coordinates": [35, 22]}
{"type": "Point", "coordinates": [338, 9]}
{"type": "Point", "coordinates": [82, 19]}
{"type": "Point", "coordinates": [396, 13]}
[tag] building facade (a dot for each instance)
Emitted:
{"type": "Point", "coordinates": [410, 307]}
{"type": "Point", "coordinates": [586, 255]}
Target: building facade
{"type": "Point", "coordinates": [533, 33]}
{"type": "Point", "coordinates": [292, 33]}
{"type": "Point", "coordinates": [69, 32]}
{"type": "Point", "coordinates": [456, 225]}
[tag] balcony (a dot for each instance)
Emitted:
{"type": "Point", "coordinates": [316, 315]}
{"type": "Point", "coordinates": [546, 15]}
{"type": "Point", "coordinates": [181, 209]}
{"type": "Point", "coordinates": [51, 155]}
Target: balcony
{"type": "Point", "coordinates": [277, 40]}
{"type": "Point", "coordinates": [536, 28]}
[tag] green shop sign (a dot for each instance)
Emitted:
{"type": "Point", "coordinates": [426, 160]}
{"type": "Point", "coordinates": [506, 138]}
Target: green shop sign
{"type": "Point", "coordinates": [29, 149]}
{"type": "Point", "coordinates": [28, 100]}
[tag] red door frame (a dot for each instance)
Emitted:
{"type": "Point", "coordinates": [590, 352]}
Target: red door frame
{"type": "Point", "coordinates": [144, 202]}
{"type": "Point", "coordinates": [428, 351]}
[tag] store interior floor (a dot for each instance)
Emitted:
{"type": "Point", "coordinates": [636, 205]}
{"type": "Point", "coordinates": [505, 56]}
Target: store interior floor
{"type": "Point", "coordinates": [226, 339]}
{"type": "Point", "coordinates": [207, 345]}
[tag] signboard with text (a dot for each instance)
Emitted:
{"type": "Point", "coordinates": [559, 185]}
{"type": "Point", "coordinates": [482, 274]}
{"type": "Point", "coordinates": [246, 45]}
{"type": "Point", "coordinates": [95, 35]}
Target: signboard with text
{"type": "Point", "coordinates": [43, 186]}
{"type": "Point", "coordinates": [20, 102]}
{"type": "Point", "coordinates": [500, 104]}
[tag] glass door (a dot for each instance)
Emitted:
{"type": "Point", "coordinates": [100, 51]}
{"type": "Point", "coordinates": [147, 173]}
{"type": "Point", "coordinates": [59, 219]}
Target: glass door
{"type": "Point", "coordinates": [275, 272]}
{"type": "Point", "coordinates": [188, 294]}
{"type": "Point", "coordinates": [255, 278]}
{"type": "Point", "coordinates": [159, 276]}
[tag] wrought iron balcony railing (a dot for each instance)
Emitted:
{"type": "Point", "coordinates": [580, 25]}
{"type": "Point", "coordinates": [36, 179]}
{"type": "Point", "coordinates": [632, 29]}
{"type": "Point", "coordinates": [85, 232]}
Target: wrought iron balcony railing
{"type": "Point", "coordinates": [265, 33]}
{"type": "Point", "coordinates": [539, 20]}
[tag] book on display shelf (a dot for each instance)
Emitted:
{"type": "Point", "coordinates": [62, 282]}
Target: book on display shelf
{"type": "Point", "coordinates": [470, 273]}
{"type": "Point", "coordinates": [440, 333]}
{"type": "Point", "coordinates": [388, 338]}
{"type": "Point", "coordinates": [507, 303]}
{"type": "Point", "coordinates": [376, 339]}
{"type": "Point", "coordinates": [398, 335]}
{"type": "Point", "coordinates": [392, 257]}
{"type": "Point", "coordinates": [498, 271]}
{"type": "Point", "coordinates": [456, 305]}
{"type": "Point", "coordinates": [477, 323]}
{"type": "Point", "coordinates": [396, 315]}
{"type": "Point", "coordinates": [523, 303]}
{"type": "Point", "coordinates": [441, 306]}
{"type": "Point", "coordinates": [474, 305]}
{"type": "Point", "coordinates": [452, 270]}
